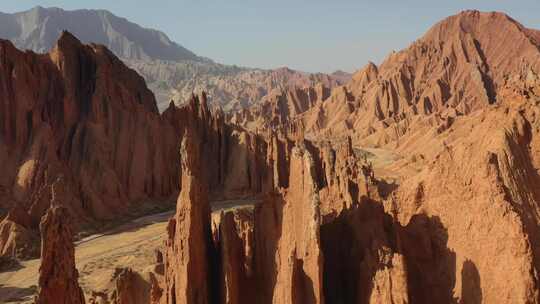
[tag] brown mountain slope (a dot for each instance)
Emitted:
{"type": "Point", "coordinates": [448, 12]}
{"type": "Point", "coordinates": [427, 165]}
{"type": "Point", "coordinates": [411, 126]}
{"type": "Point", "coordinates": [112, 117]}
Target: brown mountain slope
{"type": "Point", "coordinates": [455, 68]}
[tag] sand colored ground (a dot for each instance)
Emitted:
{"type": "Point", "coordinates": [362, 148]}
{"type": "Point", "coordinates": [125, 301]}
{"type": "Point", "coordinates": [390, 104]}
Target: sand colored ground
{"type": "Point", "coordinates": [130, 245]}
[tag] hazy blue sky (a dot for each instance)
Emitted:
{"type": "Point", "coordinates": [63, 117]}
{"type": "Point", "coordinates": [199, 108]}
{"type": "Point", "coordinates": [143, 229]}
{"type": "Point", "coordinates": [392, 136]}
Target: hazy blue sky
{"type": "Point", "coordinates": [314, 35]}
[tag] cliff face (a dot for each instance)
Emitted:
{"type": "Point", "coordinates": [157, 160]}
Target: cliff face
{"type": "Point", "coordinates": [280, 109]}
{"type": "Point", "coordinates": [243, 163]}
{"type": "Point", "coordinates": [482, 187]}
{"type": "Point", "coordinates": [79, 113]}
{"type": "Point", "coordinates": [189, 245]}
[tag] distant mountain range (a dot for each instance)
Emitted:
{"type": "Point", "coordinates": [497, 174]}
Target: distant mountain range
{"type": "Point", "coordinates": [171, 71]}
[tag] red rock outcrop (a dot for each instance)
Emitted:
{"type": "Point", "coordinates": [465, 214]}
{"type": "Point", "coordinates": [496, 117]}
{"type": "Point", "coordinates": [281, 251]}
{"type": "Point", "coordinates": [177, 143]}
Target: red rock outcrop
{"type": "Point", "coordinates": [58, 277]}
{"type": "Point", "coordinates": [299, 257]}
{"type": "Point", "coordinates": [234, 238]}
{"type": "Point", "coordinates": [241, 161]}
{"type": "Point", "coordinates": [189, 244]}
{"type": "Point", "coordinates": [453, 230]}
{"type": "Point", "coordinates": [18, 238]}
{"type": "Point", "coordinates": [81, 113]}
{"type": "Point", "coordinates": [482, 187]}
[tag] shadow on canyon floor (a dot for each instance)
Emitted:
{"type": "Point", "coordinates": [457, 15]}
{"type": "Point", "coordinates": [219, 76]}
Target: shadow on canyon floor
{"type": "Point", "coordinates": [471, 292]}
{"type": "Point", "coordinates": [359, 241]}
{"type": "Point", "coordinates": [16, 294]}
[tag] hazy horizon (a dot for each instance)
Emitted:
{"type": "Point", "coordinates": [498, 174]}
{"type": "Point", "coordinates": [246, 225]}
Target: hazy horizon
{"type": "Point", "coordinates": [312, 36]}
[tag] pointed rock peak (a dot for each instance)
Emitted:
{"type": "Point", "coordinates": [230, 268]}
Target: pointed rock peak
{"type": "Point", "coordinates": [172, 106]}
{"type": "Point", "coordinates": [58, 277]}
{"type": "Point", "coordinates": [67, 39]}
{"type": "Point", "coordinates": [368, 72]}
{"type": "Point", "coordinates": [204, 103]}
{"type": "Point", "coordinates": [66, 45]}
{"type": "Point", "coordinates": [190, 152]}
{"type": "Point", "coordinates": [370, 65]}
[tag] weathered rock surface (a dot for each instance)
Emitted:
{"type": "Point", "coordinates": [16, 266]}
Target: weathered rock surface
{"type": "Point", "coordinates": [18, 238]}
{"type": "Point", "coordinates": [460, 226]}
{"type": "Point", "coordinates": [188, 269]}
{"type": "Point", "coordinates": [243, 163]}
{"type": "Point", "coordinates": [483, 187]}
{"type": "Point", "coordinates": [456, 68]}
{"type": "Point", "coordinates": [80, 113]}
{"type": "Point", "coordinates": [58, 274]}
{"type": "Point", "coordinates": [129, 287]}
{"type": "Point", "coordinates": [299, 257]}
{"type": "Point", "coordinates": [343, 236]}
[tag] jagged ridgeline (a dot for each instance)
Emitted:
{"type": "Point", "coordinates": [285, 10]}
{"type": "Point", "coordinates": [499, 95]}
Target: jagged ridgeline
{"type": "Point", "coordinates": [416, 182]}
{"type": "Point", "coordinates": [170, 70]}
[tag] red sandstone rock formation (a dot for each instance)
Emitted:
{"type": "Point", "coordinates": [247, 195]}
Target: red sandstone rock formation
{"type": "Point", "coordinates": [481, 184]}
{"type": "Point", "coordinates": [79, 112]}
{"type": "Point", "coordinates": [57, 274]}
{"type": "Point", "coordinates": [242, 162]}
{"type": "Point", "coordinates": [327, 229]}
{"type": "Point", "coordinates": [189, 245]}
{"type": "Point", "coordinates": [235, 243]}
{"type": "Point", "coordinates": [456, 68]}
{"type": "Point", "coordinates": [299, 257]}
{"type": "Point", "coordinates": [280, 109]}
{"type": "Point", "coordinates": [332, 232]}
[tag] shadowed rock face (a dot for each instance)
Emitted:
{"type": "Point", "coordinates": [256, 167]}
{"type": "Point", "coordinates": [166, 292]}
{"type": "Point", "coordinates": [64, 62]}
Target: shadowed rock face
{"type": "Point", "coordinates": [243, 163]}
{"type": "Point", "coordinates": [335, 234]}
{"type": "Point", "coordinates": [80, 113]}
{"type": "Point", "coordinates": [57, 274]}
{"type": "Point", "coordinates": [456, 68]}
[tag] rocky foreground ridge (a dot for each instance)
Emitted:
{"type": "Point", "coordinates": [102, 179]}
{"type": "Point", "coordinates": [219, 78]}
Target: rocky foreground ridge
{"type": "Point", "coordinates": [460, 225]}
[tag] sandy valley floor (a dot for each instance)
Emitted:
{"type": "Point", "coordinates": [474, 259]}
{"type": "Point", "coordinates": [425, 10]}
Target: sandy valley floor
{"type": "Point", "coordinates": [97, 256]}
{"type": "Point", "coordinates": [130, 245]}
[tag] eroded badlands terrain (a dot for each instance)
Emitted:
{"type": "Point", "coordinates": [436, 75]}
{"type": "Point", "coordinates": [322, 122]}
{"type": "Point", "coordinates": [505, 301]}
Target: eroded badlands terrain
{"type": "Point", "coordinates": [416, 182]}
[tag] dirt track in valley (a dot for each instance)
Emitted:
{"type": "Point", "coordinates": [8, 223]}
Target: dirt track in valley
{"type": "Point", "coordinates": [97, 256]}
